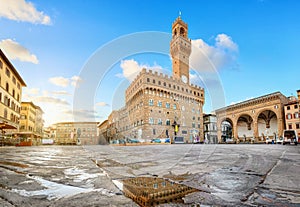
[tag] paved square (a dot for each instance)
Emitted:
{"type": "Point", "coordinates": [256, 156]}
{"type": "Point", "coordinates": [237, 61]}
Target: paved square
{"type": "Point", "coordinates": [232, 175]}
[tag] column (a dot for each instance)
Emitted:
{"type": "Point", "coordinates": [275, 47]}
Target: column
{"type": "Point", "coordinates": [235, 130]}
{"type": "Point", "coordinates": [280, 126]}
{"type": "Point", "coordinates": [255, 129]}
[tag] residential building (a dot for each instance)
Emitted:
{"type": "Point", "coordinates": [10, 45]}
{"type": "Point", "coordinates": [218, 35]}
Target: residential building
{"type": "Point", "coordinates": [71, 133]}
{"type": "Point", "coordinates": [291, 112]}
{"type": "Point", "coordinates": [102, 131]}
{"type": "Point", "coordinates": [31, 123]}
{"type": "Point", "coordinates": [160, 106]}
{"type": "Point", "coordinates": [210, 128]}
{"type": "Point", "coordinates": [11, 84]}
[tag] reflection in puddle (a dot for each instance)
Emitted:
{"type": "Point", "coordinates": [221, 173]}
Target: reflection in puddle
{"type": "Point", "coordinates": [79, 175]}
{"type": "Point", "coordinates": [55, 191]}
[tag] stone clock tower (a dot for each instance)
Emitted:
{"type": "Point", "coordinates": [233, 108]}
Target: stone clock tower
{"type": "Point", "coordinates": [180, 49]}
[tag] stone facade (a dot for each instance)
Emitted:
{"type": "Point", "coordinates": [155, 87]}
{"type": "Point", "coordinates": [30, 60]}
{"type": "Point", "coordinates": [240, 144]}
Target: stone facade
{"type": "Point", "coordinates": [210, 128]}
{"type": "Point", "coordinates": [291, 112]}
{"type": "Point", "coordinates": [84, 133]}
{"type": "Point", "coordinates": [160, 106]}
{"type": "Point", "coordinates": [256, 118]}
{"type": "Point", "coordinates": [31, 123]}
{"type": "Point", "coordinates": [11, 85]}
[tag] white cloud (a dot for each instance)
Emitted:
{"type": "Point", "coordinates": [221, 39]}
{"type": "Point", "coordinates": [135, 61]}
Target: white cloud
{"type": "Point", "coordinates": [60, 81]}
{"type": "Point", "coordinates": [246, 99]}
{"type": "Point", "coordinates": [102, 104]}
{"type": "Point", "coordinates": [75, 81]}
{"type": "Point", "coordinates": [52, 105]}
{"type": "Point", "coordinates": [15, 51]}
{"type": "Point", "coordinates": [196, 79]}
{"type": "Point", "coordinates": [59, 93]}
{"type": "Point", "coordinates": [82, 115]}
{"type": "Point", "coordinates": [20, 10]}
{"type": "Point", "coordinates": [64, 82]}
{"type": "Point", "coordinates": [225, 41]}
{"type": "Point", "coordinates": [52, 100]}
{"type": "Point", "coordinates": [31, 91]}
{"type": "Point", "coordinates": [131, 68]}
{"type": "Point", "coordinates": [212, 58]}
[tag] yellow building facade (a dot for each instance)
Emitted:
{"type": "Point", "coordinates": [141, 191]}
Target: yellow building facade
{"type": "Point", "coordinates": [31, 123]}
{"type": "Point", "coordinates": [11, 84]}
{"type": "Point", "coordinates": [72, 133]}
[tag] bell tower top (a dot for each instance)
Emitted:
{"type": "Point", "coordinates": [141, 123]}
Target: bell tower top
{"type": "Point", "coordinates": [180, 49]}
{"type": "Point", "coordinates": [179, 28]}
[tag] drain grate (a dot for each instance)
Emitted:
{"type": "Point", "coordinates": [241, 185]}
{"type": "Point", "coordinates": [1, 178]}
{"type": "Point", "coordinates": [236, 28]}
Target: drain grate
{"type": "Point", "coordinates": [149, 191]}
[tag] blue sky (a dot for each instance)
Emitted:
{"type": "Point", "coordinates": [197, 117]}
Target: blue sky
{"type": "Point", "coordinates": [253, 46]}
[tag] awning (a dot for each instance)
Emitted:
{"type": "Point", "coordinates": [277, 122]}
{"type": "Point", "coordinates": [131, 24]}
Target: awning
{"type": "Point", "coordinates": [6, 126]}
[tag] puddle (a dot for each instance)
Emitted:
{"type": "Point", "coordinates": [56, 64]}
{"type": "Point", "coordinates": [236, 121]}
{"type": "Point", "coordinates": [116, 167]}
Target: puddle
{"type": "Point", "coordinates": [55, 191]}
{"type": "Point", "coordinates": [149, 191]}
{"type": "Point", "coordinates": [79, 175]}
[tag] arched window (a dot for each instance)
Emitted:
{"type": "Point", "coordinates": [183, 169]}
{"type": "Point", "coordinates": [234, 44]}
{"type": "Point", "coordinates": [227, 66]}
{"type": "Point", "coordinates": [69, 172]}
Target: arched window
{"type": "Point", "coordinates": [182, 31]}
{"type": "Point", "coordinates": [159, 104]}
{"type": "Point", "coordinates": [168, 122]}
{"type": "Point", "coordinates": [151, 102]}
{"type": "Point", "coordinates": [151, 120]}
{"type": "Point", "coordinates": [159, 122]}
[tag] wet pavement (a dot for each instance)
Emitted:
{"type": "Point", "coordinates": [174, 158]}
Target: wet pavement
{"type": "Point", "coordinates": [225, 175]}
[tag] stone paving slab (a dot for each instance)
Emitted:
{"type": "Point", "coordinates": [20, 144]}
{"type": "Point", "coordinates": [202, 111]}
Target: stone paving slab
{"type": "Point", "coordinates": [226, 175]}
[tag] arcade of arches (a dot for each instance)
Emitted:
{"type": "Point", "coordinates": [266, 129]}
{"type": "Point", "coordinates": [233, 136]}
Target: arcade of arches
{"type": "Point", "coordinates": [257, 118]}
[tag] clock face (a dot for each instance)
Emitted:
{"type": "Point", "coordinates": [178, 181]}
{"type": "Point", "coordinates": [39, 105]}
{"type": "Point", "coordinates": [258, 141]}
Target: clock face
{"type": "Point", "coordinates": [184, 78]}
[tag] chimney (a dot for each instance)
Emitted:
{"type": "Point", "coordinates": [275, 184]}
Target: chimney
{"type": "Point", "coordinates": [298, 94]}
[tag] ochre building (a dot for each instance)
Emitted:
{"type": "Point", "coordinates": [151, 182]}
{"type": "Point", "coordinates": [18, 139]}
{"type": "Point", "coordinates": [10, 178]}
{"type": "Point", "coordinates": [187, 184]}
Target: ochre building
{"type": "Point", "coordinates": [11, 84]}
{"type": "Point", "coordinates": [31, 123]}
{"type": "Point", "coordinates": [71, 133]}
{"type": "Point", "coordinates": [160, 106]}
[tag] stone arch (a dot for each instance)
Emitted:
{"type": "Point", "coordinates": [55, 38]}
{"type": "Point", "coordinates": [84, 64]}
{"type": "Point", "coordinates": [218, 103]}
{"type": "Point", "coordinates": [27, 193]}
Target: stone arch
{"type": "Point", "coordinates": [245, 126]}
{"type": "Point", "coordinates": [182, 31]}
{"type": "Point", "coordinates": [226, 127]}
{"type": "Point", "coordinates": [267, 124]}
